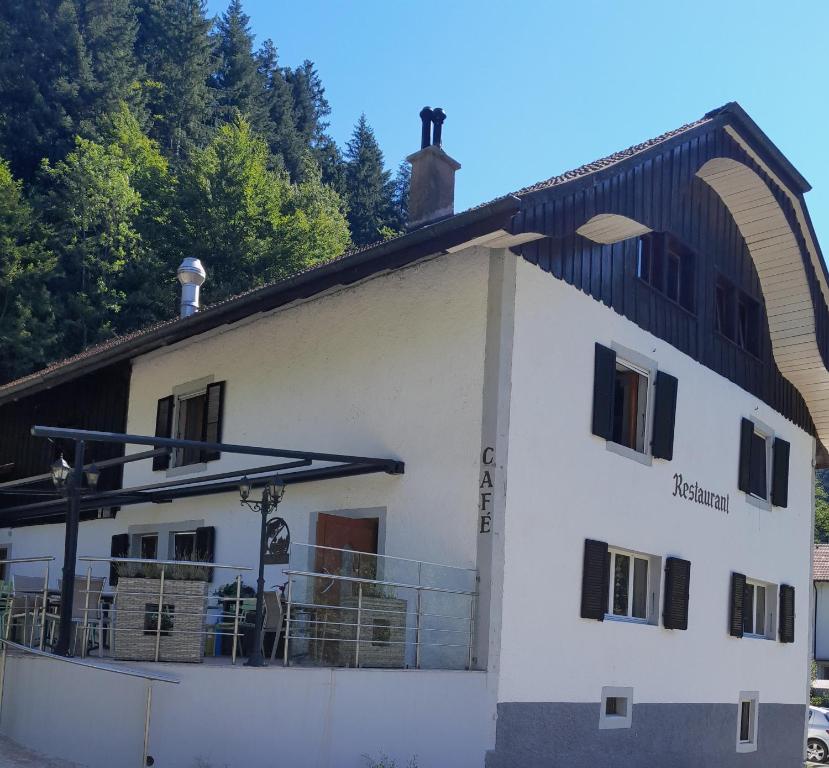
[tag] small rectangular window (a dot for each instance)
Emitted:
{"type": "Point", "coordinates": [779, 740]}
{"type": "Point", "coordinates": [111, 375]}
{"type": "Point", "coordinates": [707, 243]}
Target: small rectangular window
{"type": "Point", "coordinates": [747, 721]}
{"type": "Point", "coordinates": [758, 609]}
{"type": "Point", "coordinates": [184, 545]}
{"type": "Point", "coordinates": [630, 408]}
{"type": "Point", "coordinates": [724, 308]}
{"type": "Point", "coordinates": [748, 324]}
{"type": "Point", "coordinates": [189, 425]}
{"type": "Point", "coordinates": [629, 585]}
{"type": "Point", "coordinates": [149, 546]}
{"type": "Point", "coordinates": [667, 265]}
{"type": "Point", "coordinates": [616, 709]}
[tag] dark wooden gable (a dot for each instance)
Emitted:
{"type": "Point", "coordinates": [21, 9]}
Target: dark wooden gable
{"type": "Point", "coordinates": [659, 189]}
{"type": "Point", "coordinates": [96, 401]}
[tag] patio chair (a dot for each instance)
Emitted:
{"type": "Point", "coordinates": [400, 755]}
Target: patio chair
{"type": "Point", "coordinates": [273, 620]}
{"type": "Point", "coordinates": [26, 603]}
{"type": "Point", "coordinates": [85, 612]}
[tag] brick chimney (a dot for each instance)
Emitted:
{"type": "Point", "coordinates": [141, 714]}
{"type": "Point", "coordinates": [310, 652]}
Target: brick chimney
{"type": "Point", "coordinates": [432, 185]}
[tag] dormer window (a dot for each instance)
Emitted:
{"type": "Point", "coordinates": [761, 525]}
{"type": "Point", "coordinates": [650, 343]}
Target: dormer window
{"type": "Point", "coordinates": [668, 266]}
{"type": "Point", "coordinates": [737, 316]}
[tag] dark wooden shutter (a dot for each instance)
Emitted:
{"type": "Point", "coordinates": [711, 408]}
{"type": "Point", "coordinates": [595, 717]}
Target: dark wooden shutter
{"type": "Point", "coordinates": [604, 379]}
{"type": "Point", "coordinates": [780, 474]}
{"type": "Point", "coordinates": [213, 415]}
{"type": "Point", "coordinates": [595, 580]}
{"type": "Point", "coordinates": [738, 588]}
{"type": "Point", "coordinates": [786, 619]}
{"type": "Point", "coordinates": [746, 435]}
{"type": "Point", "coordinates": [206, 546]}
{"type": "Point", "coordinates": [677, 588]}
{"type": "Point", "coordinates": [664, 416]}
{"type": "Point", "coordinates": [163, 428]}
{"type": "Point", "coordinates": [120, 547]}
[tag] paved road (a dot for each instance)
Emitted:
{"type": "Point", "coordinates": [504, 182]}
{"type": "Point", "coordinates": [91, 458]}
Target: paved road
{"type": "Point", "coordinates": [14, 756]}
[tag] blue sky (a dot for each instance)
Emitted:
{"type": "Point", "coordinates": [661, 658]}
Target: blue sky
{"type": "Point", "coordinates": [535, 88]}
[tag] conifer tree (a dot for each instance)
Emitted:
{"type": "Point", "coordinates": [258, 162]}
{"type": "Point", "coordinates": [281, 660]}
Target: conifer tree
{"type": "Point", "coordinates": [369, 186]}
{"type": "Point", "coordinates": [175, 48]}
{"type": "Point", "coordinates": [238, 82]}
{"type": "Point", "coordinates": [26, 319]}
{"type": "Point", "coordinates": [283, 138]}
{"type": "Point", "coordinates": [44, 73]}
{"type": "Point", "coordinates": [311, 108]}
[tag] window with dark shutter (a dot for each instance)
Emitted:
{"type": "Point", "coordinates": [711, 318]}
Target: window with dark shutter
{"type": "Point", "coordinates": [604, 382]}
{"type": "Point", "coordinates": [163, 428]}
{"type": "Point", "coordinates": [120, 547]}
{"type": "Point", "coordinates": [595, 580]}
{"type": "Point", "coordinates": [758, 482]}
{"type": "Point", "coordinates": [677, 589]}
{"type": "Point", "coordinates": [780, 473]}
{"type": "Point", "coordinates": [786, 622]}
{"type": "Point", "coordinates": [664, 416]}
{"type": "Point", "coordinates": [738, 589]}
{"type": "Point", "coordinates": [213, 415]}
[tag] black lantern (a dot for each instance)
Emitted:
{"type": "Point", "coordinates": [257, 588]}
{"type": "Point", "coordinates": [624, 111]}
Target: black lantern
{"type": "Point", "coordinates": [93, 474]}
{"type": "Point", "coordinates": [60, 472]}
{"type": "Point", "coordinates": [244, 488]}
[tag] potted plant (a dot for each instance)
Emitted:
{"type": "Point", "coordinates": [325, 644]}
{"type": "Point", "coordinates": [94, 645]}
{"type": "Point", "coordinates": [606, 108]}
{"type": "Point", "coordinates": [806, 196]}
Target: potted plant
{"type": "Point", "coordinates": [160, 622]}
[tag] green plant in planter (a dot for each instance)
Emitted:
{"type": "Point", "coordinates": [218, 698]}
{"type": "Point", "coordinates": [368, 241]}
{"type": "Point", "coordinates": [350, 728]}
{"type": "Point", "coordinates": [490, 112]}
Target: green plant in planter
{"type": "Point", "coordinates": [175, 572]}
{"type": "Point", "coordinates": [229, 590]}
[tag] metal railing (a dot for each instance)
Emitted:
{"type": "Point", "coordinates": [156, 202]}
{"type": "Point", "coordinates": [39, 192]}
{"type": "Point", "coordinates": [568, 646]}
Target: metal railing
{"type": "Point", "coordinates": [347, 608]}
{"type": "Point", "coordinates": [29, 604]}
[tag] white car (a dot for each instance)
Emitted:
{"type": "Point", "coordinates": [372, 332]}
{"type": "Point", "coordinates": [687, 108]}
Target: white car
{"type": "Point", "coordinates": [817, 739]}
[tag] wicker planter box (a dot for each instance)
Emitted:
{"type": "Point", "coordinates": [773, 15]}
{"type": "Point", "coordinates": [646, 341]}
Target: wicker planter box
{"type": "Point", "coordinates": [382, 634]}
{"type": "Point", "coordinates": [182, 625]}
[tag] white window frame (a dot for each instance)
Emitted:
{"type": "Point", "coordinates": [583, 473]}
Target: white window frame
{"type": "Point", "coordinates": [767, 433]}
{"type": "Point", "coordinates": [611, 722]}
{"type": "Point", "coordinates": [165, 532]}
{"type": "Point", "coordinates": [651, 588]}
{"type": "Point", "coordinates": [646, 367]}
{"type": "Point", "coordinates": [171, 547]}
{"type": "Point", "coordinates": [753, 698]}
{"type": "Point", "coordinates": [770, 614]}
{"type": "Point", "coordinates": [147, 535]}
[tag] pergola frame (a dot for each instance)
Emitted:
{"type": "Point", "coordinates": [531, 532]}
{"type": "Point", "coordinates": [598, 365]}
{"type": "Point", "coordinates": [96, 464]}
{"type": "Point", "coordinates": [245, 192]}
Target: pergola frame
{"type": "Point", "coordinates": [302, 467]}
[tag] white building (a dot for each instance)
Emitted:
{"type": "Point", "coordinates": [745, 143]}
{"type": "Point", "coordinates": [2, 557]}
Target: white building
{"type": "Point", "coordinates": [606, 391]}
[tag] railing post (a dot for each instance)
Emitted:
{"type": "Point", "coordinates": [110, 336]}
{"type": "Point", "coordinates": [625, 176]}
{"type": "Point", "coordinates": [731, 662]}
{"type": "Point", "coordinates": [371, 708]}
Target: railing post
{"type": "Point", "coordinates": [359, 623]}
{"type": "Point", "coordinates": [285, 657]}
{"type": "Point", "coordinates": [6, 635]}
{"type": "Point", "coordinates": [160, 613]}
{"type": "Point", "coordinates": [43, 607]}
{"type": "Point", "coordinates": [236, 616]}
{"type": "Point", "coordinates": [471, 630]}
{"type": "Point", "coordinates": [147, 723]}
{"type": "Point", "coordinates": [86, 611]}
{"type": "Point", "coordinates": [417, 630]}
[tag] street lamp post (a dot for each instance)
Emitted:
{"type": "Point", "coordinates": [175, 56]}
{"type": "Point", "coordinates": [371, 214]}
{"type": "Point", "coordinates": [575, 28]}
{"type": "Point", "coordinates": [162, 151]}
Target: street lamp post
{"type": "Point", "coordinates": [69, 481]}
{"type": "Point", "coordinates": [271, 496]}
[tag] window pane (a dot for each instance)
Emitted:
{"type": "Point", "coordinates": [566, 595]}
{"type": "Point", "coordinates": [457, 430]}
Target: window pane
{"type": "Point", "coordinates": [643, 259]}
{"type": "Point", "coordinates": [760, 610]}
{"type": "Point", "coordinates": [190, 426]}
{"type": "Point", "coordinates": [757, 472]}
{"type": "Point", "coordinates": [630, 408]}
{"type": "Point", "coordinates": [149, 547]}
{"type": "Point", "coordinates": [621, 583]}
{"type": "Point", "coordinates": [748, 609]}
{"type": "Point", "coordinates": [640, 588]}
{"type": "Point", "coordinates": [745, 721]}
{"type": "Point", "coordinates": [184, 545]}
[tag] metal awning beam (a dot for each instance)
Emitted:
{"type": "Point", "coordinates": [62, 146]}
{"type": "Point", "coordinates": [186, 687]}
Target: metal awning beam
{"type": "Point", "coordinates": [100, 464]}
{"type": "Point", "coordinates": [393, 466]}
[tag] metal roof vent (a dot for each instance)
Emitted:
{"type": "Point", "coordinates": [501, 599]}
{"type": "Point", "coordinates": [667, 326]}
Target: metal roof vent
{"type": "Point", "coordinates": [432, 186]}
{"type": "Point", "coordinates": [191, 275]}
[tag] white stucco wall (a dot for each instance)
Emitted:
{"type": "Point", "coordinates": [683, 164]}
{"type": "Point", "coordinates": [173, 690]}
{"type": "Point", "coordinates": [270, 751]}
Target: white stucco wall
{"type": "Point", "coordinates": [236, 717]}
{"type": "Point", "coordinates": [388, 368]}
{"type": "Point", "coordinates": [564, 486]}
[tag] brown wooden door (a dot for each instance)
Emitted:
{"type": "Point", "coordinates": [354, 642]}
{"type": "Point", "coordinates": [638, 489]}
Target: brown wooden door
{"type": "Point", "coordinates": [355, 536]}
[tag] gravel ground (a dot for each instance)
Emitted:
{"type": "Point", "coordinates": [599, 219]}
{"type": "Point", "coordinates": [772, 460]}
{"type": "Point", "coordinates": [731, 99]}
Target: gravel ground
{"type": "Point", "coordinates": [14, 756]}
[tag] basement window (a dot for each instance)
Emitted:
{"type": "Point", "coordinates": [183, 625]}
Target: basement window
{"type": "Point", "coordinates": [616, 710]}
{"type": "Point", "coordinates": [747, 711]}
